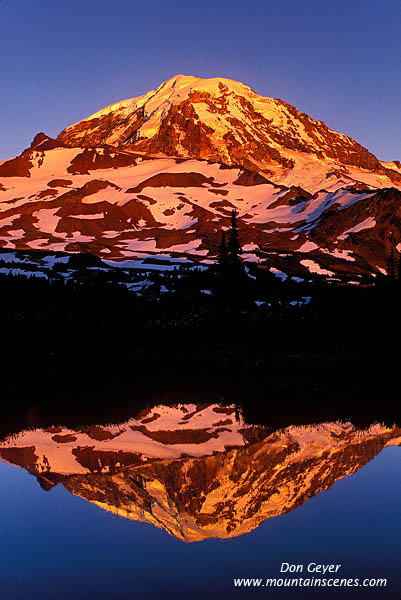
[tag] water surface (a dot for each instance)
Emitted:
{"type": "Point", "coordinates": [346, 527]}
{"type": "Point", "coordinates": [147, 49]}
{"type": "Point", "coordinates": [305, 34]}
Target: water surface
{"type": "Point", "coordinates": [137, 510]}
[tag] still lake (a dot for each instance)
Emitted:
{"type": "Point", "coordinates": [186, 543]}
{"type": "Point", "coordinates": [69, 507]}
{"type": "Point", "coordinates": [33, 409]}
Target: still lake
{"type": "Point", "coordinates": [177, 502]}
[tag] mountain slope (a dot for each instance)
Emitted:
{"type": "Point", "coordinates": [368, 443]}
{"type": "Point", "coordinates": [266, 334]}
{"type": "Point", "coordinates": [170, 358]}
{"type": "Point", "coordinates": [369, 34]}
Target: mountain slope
{"type": "Point", "coordinates": [127, 206]}
{"type": "Point", "coordinates": [228, 122]}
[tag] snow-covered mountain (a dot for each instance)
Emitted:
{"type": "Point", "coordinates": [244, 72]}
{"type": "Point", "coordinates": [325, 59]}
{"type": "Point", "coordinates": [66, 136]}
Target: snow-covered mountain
{"type": "Point", "coordinates": [160, 175]}
{"type": "Point", "coordinates": [226, 121]}
{"type": "Point", "coordinates": [197, 471]}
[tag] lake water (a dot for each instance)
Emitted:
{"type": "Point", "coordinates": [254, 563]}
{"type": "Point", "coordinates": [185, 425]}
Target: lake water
{"type": "Point", "coordinates": [178, 502]}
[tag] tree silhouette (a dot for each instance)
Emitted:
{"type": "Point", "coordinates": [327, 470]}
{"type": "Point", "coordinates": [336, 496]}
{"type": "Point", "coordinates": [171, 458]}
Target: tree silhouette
{"type": "Point", "coordinates": [234, 244]}
{"type": "Point", "coordinates": [231, 283]}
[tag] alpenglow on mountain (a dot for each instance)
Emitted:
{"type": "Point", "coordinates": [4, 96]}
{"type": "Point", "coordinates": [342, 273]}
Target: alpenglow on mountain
{"type": "Point", "coordinates": [159, 175]}
{"type": "Point", "coordinates": [196, 471]}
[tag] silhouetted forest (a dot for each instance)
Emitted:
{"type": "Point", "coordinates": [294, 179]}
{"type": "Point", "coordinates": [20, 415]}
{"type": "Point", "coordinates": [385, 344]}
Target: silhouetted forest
{"type": "Point", "coordinates": [313, 350]}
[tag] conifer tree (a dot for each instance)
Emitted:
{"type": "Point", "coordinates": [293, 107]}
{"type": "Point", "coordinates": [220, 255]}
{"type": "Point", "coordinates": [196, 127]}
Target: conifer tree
{"type": "Point", "coordinates": [234, 244]}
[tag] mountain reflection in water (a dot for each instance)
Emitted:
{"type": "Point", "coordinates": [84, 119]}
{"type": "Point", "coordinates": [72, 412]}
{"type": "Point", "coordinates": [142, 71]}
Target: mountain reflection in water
{"type": "Point", "coordinates": [197, 471]}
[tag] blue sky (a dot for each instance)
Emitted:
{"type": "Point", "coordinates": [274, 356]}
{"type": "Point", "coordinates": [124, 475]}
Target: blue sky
{"type": "Point", "coordinates": [61, 60]}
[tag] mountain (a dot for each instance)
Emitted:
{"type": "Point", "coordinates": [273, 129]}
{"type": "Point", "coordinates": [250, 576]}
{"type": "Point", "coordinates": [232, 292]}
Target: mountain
{"type": "Point", "coordinates": [227, 122]}
{"type": "Point", "coordinates": [197, 471]}
{"type": "Point", "coordinates": [158, 176]}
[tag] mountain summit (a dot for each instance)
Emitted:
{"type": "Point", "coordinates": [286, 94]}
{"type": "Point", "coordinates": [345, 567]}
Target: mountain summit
{"type": "Point", "coordinates": [226, 121]}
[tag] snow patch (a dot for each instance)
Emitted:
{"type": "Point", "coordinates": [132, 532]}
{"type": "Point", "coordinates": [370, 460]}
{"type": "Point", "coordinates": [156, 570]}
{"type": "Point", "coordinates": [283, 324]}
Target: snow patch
{"type": "Point", "coordinates": [366, 224]}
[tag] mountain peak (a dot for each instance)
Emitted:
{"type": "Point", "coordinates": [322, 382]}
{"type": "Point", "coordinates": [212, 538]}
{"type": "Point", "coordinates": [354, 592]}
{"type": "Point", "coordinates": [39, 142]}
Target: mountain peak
{"type": "Point", "coordinates": [202, 82]}
{"type": "Point", "coordinates": [179, 79]}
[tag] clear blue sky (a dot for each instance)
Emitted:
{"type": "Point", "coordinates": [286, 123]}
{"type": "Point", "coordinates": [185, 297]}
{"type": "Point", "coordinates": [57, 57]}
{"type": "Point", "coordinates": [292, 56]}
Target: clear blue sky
{"type": "Point", "coordinates": [339, 61]}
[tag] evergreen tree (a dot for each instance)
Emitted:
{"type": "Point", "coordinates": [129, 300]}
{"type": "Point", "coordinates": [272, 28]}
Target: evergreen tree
{"type": "Point", "coordinates": [234, 244]}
